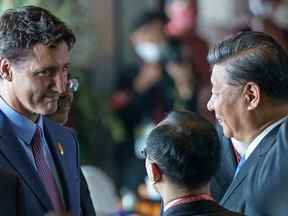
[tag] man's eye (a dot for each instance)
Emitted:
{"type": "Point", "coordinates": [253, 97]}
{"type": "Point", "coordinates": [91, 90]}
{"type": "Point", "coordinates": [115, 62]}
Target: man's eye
{"type": "Point", "coordinates": [44, 73]}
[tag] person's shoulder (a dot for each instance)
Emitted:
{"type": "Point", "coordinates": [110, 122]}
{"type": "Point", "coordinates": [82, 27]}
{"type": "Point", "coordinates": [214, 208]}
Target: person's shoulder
{"type": "Point", "coordinates": [282, 130]}
{"type": "Point", "coordinates": [218, 210]}
{"type": "Point", "coordinates": [202, 207]}
{"type": "Point", "coordinates": [285, 122]}
{"type": "Point", "coordinates": [52, 125]}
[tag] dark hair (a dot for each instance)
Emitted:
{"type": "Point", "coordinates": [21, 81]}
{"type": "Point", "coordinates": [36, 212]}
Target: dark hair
{"type": "Point", "coordinates": [254, 56]}
{"type": "Point", "coordinates": [186, 148]}
{"type": "Point", "coordinates": [148, 17]}
{"type": "Point", "coordinates": [21, 29]}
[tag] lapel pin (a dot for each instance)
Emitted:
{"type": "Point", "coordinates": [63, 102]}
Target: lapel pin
{"type": "Point", "coordinates": [60, 148]}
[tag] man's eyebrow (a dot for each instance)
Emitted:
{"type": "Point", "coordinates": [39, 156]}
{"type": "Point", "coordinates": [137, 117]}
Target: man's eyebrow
{"type": "Point", "coordinates": [50, 67]}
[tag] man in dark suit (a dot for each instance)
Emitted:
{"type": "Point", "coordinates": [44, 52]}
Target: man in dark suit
{"type": "Point", "coordinates": [250, 101]}
{"type": "Point", "coordinates": [182, 155]}
{"type": "Point", "coordinates": [9, 192]}
{"type": "Point", "coordinates": [224, 175]}
{"type": "Point", "coordinates": [34, 66]}
{"type": "Point", "coordinates": [61, 116]}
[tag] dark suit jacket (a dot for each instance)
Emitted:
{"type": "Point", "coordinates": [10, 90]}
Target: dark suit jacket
{"type": "Point", "coordinates": [9, 183]}
{"type": "Point", "coordinates": [86, 202]}
{"type": "Point", "coordinates": [261, 186]}
{"type": "Point", "coordinates": [33, 197]}
{"type": "Point", "coordinates": [199, 208]}
{"type": "Point", "coordinates": [224, 176]}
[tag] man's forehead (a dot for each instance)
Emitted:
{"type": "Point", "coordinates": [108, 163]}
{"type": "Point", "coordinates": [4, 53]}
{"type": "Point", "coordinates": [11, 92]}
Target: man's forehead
{"type": "Point", "coordinates": [218, 74]}
{"type": "Point", "coordinates": [59, 53]}
{"type": "Point", "coordinates": [40, 47]}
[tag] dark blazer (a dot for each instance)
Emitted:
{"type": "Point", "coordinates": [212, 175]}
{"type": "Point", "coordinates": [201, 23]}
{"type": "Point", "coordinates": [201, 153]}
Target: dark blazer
{"type": "Point", "coordinates": [224, 176]}
{"type": "Point", "coordinates": [199, 208]}
{"type": "Point", "coordinates": [33, 197]}
{"type": "Point", "coordinates": [86, 202]}
{"type": "Point", "coordinates": [9, 183]}
{"type": "Point", "coordinates": [261, 186]}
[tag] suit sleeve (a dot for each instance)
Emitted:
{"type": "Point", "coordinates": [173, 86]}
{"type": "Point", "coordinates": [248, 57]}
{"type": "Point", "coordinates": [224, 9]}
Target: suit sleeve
{"type": "Point", "coordinates": [87, 207]}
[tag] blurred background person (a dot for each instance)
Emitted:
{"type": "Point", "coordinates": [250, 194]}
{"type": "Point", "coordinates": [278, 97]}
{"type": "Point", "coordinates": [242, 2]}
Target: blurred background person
{"type": "Point", "coordinates": [61, 116]}
{"type": "Point", "coordinates": [183, 27]}
{"type": "Point", "coordinates": [99, 194]}
{"type": "Point", "coordinates": [148, 90]}
{"type": "Point", "coordinates": [65, 103]}
{"type": "Point", "coordinates": [270, 16]}
{"type": "Point", "coordinates": [182, 154]}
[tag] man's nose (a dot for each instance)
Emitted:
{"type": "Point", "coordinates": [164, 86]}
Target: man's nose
{"type": "Point", "coordinates": [61, 82]}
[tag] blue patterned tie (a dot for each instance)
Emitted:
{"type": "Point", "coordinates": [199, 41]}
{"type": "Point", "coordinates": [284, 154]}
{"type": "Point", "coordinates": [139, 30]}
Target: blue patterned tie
{"type": "Point", "coordinates": [45, 173]}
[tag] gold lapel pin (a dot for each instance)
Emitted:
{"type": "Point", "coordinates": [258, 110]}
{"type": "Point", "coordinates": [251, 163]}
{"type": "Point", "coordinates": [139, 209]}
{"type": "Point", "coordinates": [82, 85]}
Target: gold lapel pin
{"type": "Point", "coordinates": [60, 147]}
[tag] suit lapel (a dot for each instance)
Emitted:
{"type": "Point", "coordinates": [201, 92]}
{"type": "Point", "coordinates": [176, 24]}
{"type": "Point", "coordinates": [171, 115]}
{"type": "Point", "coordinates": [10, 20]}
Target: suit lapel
{"type": "Point", "coordinates": [228, 162]}
{"type": "Point", "coordinates": [227, 151]}
{"type": "Point", "coordinates": [229, 157]}
{"type": "Point", "coordinates": [251, 162]}
{"type": "Point", "coordinates": [18, 159]}
{"type": "Point", "coordinates": [55, 140]}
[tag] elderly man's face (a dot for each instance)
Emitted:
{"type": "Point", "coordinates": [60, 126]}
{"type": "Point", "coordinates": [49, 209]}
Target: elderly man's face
{"type": "Point", "coordinates": [38, 81]}
{"type": "Point", "coordinates": [226, 101]}
{"type": "Point", "coordinates": [64, 105]}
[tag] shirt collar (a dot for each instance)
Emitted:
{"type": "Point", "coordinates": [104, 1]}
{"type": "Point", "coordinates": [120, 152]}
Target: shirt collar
{"type": "Point", "coordinates": [260, 137]}
{"type": "Point", "coordinates": [23, 127]}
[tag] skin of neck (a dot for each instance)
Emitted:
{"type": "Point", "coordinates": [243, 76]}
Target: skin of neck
{"type": "Point", "coordinates": [261, 118]}
{"type": "Point", "coordinates": [169, 191]}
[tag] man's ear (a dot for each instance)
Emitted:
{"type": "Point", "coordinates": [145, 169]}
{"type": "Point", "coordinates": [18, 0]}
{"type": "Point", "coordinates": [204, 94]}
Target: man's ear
{"type": "Point", "coordinates": [5, 69]}
{"type": "Point", "coordinates": [156, 173]}
{"type": "Point", "coordinates": [252, 95]}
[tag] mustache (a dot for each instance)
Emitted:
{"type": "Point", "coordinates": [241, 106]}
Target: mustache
{"type": "Point", "coordinates": [52, 94]}
{"type": "Point", "coordinates": [64, 101]}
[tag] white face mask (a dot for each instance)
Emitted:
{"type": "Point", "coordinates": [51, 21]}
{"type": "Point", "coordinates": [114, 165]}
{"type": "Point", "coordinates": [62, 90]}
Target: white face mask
{"type": "Point", "coordinates": [149, 52]}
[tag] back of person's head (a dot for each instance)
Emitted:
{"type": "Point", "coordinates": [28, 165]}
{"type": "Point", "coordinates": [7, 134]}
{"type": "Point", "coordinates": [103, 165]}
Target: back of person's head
{"type": "Point", "coordinates": [149, 17]}
{"type": "Point", "coordinates": [256, 57]}
{"type": "Point", "coordinates": [21, 29]}
{"type": "Point", "coordinates": [185, 147]}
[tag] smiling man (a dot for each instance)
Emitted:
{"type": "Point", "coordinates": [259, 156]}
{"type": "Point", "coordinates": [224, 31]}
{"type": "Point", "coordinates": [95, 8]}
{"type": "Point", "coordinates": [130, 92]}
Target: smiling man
{"type": "Point", "coordinates": [34, 70]}
{"type": "Point", "coordinates": [250, 101]}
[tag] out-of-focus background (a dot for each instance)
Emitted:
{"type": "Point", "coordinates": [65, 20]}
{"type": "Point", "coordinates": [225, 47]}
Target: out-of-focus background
{"type": "Point", "coordinates": [118, 101]}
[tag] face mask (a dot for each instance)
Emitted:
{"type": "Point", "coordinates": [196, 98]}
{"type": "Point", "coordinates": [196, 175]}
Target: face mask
{"type": "Point", "coordinates": [148, 52]}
